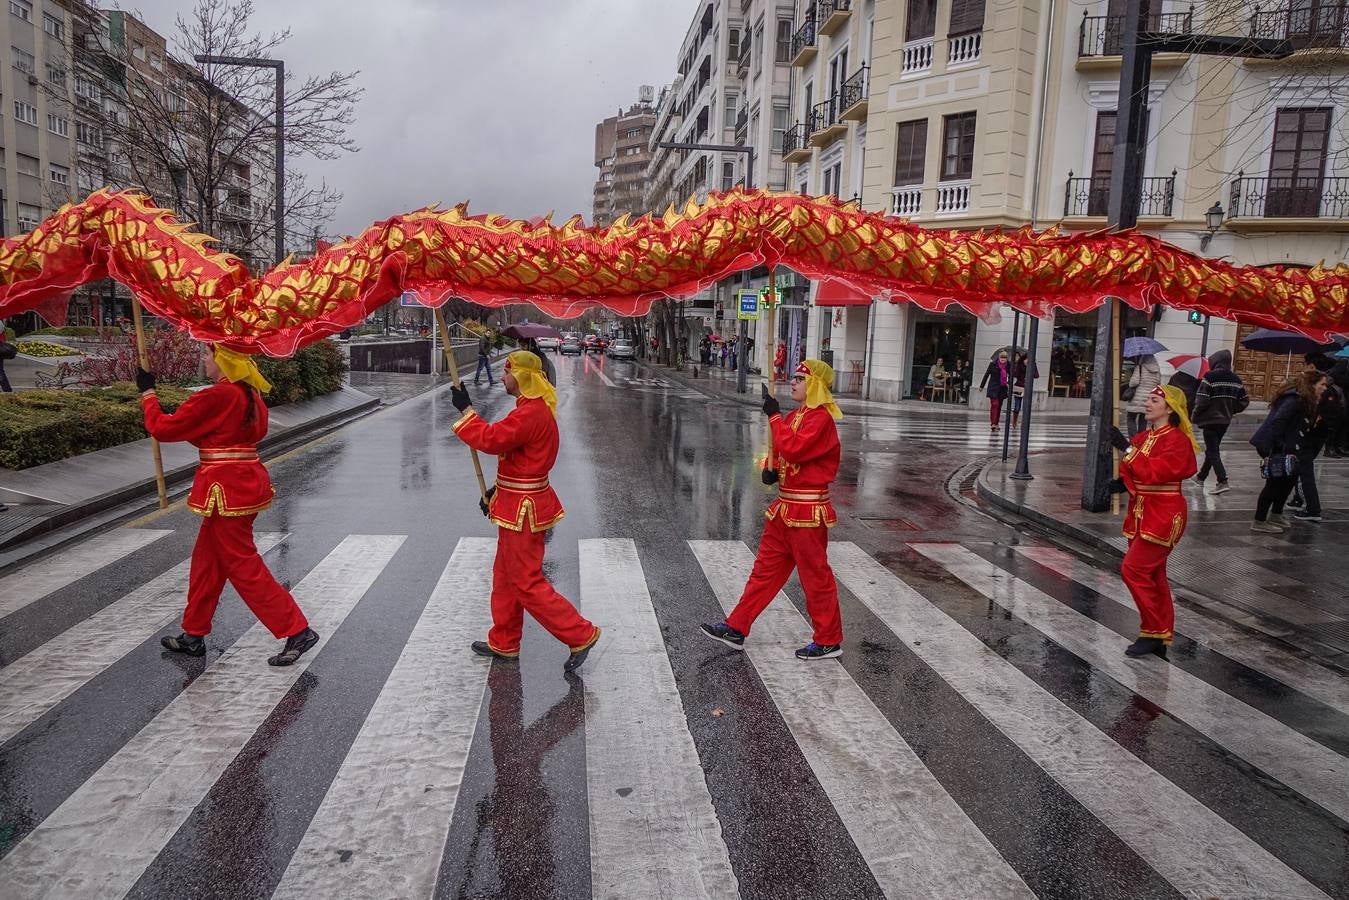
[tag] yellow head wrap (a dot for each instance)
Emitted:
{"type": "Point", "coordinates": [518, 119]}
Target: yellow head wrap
{"type": "Point", "coordinates": [1175, 399]}
{"type": "Point", "coordinates": [240, 367]}
{"type": "Point", "coordinates": [527, 370]}
{"type": "Point", "coordinates": [819, 384]}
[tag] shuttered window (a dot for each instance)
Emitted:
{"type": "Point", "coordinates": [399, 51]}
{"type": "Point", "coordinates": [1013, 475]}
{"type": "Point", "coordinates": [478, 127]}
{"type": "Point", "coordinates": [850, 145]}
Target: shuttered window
{"type": "Point", "coordinates": [957, 154]}
{"type": "Point", "coordinates": [967, 16]}
{"type": "Point", "coordinates": [921, 21]}
{"type": "Point", "coordinates": [910, 152]}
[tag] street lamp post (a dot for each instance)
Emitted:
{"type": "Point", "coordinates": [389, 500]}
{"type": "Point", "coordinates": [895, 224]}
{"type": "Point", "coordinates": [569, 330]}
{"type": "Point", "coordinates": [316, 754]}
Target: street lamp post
{"type": "Point", "coordinates": [742, 367]}
{"type": "Point", "coordinates": [279, 67]}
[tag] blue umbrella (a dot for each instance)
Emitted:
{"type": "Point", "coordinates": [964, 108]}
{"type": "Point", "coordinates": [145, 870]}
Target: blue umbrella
{"type": "Point", "coordinates": [1344, 352]}
{"type": "Point", "coordinates": [1267, 340]}
{"type": "Point", "coordinates": [1141, 346]}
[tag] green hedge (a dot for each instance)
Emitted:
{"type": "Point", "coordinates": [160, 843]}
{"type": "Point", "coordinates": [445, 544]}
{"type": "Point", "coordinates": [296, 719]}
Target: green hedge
{"type": "Point", "coordinates": [39, 427]}
{"type": "Point", "coordinates": [82, 331]}
{"type": "Point", "coordinates": [314, 371]}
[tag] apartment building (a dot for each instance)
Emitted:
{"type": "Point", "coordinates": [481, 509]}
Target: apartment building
{"type": "Point", "coordinates": [975, 121]}
{"type": "Point", "coordinates": [623, 156]}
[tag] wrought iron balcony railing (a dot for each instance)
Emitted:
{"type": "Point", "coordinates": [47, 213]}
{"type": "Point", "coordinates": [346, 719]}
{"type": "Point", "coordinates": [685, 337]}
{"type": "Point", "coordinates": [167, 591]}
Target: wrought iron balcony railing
{"type": "Point", "coordinates": [1104, 35]}
{"type": "Point", "coordinates": [823, 114]}
{"type": "Point", "coordinates": [1091, 196]}
{"type": "Point", "coordinates": [804, 37]}
{"type": "Point", "coordinates": [1276, 197]}
{"type": "Point", "coordinates": [795, 138]}
{"type": "Point", "coordinates": [1314, 25]}
{"type": "Point", "coordinates": [854, 90]}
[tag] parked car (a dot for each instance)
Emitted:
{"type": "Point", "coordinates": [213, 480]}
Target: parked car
{"type": "Point", "coordinates": [549, 343]}
{"type": "Point", "coordinates": [594, 343]}
{"type": "Point", "coordinates": [571, 344]}
{"type": "Point", "coordinates": [622, 349]}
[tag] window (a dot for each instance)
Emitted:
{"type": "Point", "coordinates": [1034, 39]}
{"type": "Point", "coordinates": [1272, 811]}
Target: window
{"type": "Point", "coordinates": [59, 174]}
{"type": "Point", "coordinates": [1297, 162]}
{"type": "Point", "coordinates": [22, 9]}
{"type": "Point", "coordinates": [730, 106]}
{"type": "Point", "coordinates": [967, 17]}
{"type": "Point", "coordinates": [29, 217]}
{"type": "Point", "coordinates": [23, 60]}
{"type": "Point", "coordinates": [56, 74]}
{"type": "Point", "coordinates": [53, 26]}
{"type": "Point", "coordinates": [633, 133]}
{"type": "Point", "coordinates": [57, 125]}
{"type": "Point", "coordinates": [727, 175]}
{"type": "Point", "coordinates": [86, 87]}
{"type": "Point", "coordinates": [922, 20]}
{"type": "Point", "coordinates": [779, 127]}
{"type": "Point", "coordinates": [957, 147]}
{"type": "Point", "coordinates": [783, 42]}
{"type": "Point", "coordinates": [25, 112]}
{"type": "Point", "coordinates": [832, 178]}
{"type": "Point", "coordinates": [910, 152]}
{"type": "Point", "coordinates": [156, 62]}
{"type": "Point", "coordinates": [733, 44]}
{"type": "Point", "coordinates": [27, 165]}
{"type": "Point", "coordinates": [88, 134]}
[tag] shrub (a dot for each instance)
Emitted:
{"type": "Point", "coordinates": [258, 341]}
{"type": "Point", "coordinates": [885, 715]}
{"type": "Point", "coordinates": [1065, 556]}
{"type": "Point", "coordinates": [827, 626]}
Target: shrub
{"type": "Point", "coordinates": [312, 372]}
{"type": "Point", "coordinates": [39, 427]}
{"type": "Point", "coordinates": [175, 358]}
{"type": "Point", "coordinates": [83, 331]}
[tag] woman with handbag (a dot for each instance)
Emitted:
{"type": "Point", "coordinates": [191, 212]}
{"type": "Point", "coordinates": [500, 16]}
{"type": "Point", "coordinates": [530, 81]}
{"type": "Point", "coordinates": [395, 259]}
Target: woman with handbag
{"type": "Point", "coordinates": [995, 383]}
{"type": "Point", "coordinates": [1019, 372]}
{"type": "Point", "coordinates": [1147, 376]}
{"type": "Point", "coordinates": [1279, 443]}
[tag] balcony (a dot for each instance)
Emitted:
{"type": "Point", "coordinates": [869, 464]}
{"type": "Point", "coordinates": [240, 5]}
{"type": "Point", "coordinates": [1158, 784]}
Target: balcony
{"type": "Point", "coordinates": [953, 198]}
{"type": "Point", "coordinates": [1091, 196]}
{"type": "Point", "coordinates": [1315, 26]}
{"type": "Point", "coordinates": [852, 97]}
{"type": "Point", "coordinates": [833, 15]}
{"type": "Point", "coordinates": [1103, 36]}
{"type": "Point", "coordinates": [964, 49]}
{"type": "Point", "coordinates": [907, 201]}
{"type": "Point", "coordinates": [803, 43]}
{"type": "Point", "coordinates": [916, 58]}
{"type": "Point", "coordinates": [742, 127]}
{"type": "Point", "coordinates": [1285, 203]}
{"type": "Point", "coordinates": [796, 144]}
{"type": "Point", "coordinates": [825, 126]}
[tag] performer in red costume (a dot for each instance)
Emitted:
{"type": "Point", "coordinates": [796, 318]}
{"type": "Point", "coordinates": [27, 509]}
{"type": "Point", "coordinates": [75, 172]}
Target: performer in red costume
{"type": "Point", "coordinates": [523, 506]}
{"type": "Point", "coordinates": [796, 534]}
{"type": "Point", "coordinates": [1156, 462]}
{"type": "Point", "coordinates": [225, 422]}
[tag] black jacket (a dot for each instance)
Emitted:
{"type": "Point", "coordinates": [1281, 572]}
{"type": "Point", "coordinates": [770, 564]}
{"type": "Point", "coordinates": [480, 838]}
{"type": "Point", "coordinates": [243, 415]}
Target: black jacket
{"type": "Point", "coordinates": [1284, 428]}
{"type": "Point", "coordinates": [1220, 396]}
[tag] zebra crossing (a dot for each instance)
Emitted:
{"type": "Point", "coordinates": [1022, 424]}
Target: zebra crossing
{"type": "Point", "coordinates": [657, 827]}
{"type": "Point", "coordinates": [969, 432]}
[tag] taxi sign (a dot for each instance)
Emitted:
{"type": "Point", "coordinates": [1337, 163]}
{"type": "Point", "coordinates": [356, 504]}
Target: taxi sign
{"type": "Point", "coordinates": [748, 305]}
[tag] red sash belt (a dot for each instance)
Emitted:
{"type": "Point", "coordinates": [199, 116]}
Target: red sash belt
{"type": "Point", "coordinates": [227, 454]}
{"type": "Point", "coordinates": [525, 485]}
{"type": "Point", "coordinates": [1172, 487]}
{"type": "Point", "coordinates": [804, 496]}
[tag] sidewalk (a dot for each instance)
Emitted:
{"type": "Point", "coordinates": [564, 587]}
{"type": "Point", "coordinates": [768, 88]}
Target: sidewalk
{"type": "Point", "coordinates": [1290, 585]}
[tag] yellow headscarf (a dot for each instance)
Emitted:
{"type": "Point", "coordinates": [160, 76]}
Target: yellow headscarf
{"type": "Point", "coordinates": [240, 367]}
{"type": "Point", "coordinates": [1175, 399]}
{"type": "Point", "coordinates": [527, 370]}
{"type": "Point", "coordinates": [819, 385]}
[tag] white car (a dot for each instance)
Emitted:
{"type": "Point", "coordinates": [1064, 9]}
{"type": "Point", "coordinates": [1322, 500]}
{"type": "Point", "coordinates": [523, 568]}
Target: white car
{"type": "Point", "coordinates": [621, 349]}
{"type": "Point", "coordinates": [549, 343]}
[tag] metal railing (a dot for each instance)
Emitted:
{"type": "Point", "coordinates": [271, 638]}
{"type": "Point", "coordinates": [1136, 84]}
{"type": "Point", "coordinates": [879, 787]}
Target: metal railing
{"type": "Point", "coordinates": [854, 90]}
{"type": "Point", "coordinates": [963, 49]}
{"type": "Point", "coordinates": [824, 114]}
{"type": "Point", "coordinates": [1091, 196]}
{"type": "Point", "coordinates": [804, 37]}
{"type": "Point", "coordinates": [1286, 197]}
{"type": "Point", "coordinates": [795, 138]}
{"type": "Point", "coordinates": [906, 201]}
{"type": "Point", "coordinates": [825, 8]}
{"type": "Point", "coordinates": [1104, 35]}
{"type": "Point", "coordinates": [916, 57]}
{"type": "Point", "coordinates": [1325, 26]}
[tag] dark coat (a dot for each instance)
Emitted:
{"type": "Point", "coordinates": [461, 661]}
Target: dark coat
{"type": "Point", "coordinates": [991, 379]}
{"type": "Point", "coordinates": [1221, 395]}
{"type": "Point", "coordinates": [1284, 428]}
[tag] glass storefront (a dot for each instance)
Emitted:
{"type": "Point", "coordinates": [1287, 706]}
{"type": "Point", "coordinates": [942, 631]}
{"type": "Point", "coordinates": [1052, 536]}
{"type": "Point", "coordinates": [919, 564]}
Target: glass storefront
{"type": "Point", "coordinates": [1073, 354]}
{"type": "Point", "coordinates": [948, 339]}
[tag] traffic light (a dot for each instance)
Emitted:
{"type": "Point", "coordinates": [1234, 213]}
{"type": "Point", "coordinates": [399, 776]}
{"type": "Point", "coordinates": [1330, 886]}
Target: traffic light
{"type": "Point", "coordinates": [1196, 317]}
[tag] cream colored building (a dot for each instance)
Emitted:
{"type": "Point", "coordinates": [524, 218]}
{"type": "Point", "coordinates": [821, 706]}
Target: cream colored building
{"type": "Point", "coordinates": [980, 117]}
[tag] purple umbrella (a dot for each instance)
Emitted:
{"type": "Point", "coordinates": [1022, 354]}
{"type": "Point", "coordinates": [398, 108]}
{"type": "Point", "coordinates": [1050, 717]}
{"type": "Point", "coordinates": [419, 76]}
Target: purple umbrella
{"type": "Point", "coordinates": [1141, 346]}
{"type": "Point", "coordinates": [534, 330]}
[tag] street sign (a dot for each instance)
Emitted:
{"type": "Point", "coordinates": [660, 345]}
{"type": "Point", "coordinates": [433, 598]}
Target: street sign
{"type": "Point", "coordinates": [748, 305]}
{"type": "Point", "coordinates": [408, 298]}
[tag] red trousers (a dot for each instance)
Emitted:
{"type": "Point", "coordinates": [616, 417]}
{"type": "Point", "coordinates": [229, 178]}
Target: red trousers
{"type": "Point", "coordinates": [994, 410]}
{"type": "Point", "coordinates": [780, 549]}
{"type": "Point", "coordinates": [225, 552]}
{"type": "Point", "coordinates": [1144, 572]}
{"type": "Point", "coordinates": [518, 586]}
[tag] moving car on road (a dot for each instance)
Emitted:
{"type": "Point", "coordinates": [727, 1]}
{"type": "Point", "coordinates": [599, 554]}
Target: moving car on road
{"type": "Point", "coordinates": [550, 343]}
{"type": "Point", "coordinates": [622, 348]}
{"type": "Point", "coordinates": [570, 344]}
{"type": "Point", "coordinates": [594, 343]}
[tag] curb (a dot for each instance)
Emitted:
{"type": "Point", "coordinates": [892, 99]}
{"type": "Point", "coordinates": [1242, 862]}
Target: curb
{"type": "Point", "coordinates": [1043, 520]}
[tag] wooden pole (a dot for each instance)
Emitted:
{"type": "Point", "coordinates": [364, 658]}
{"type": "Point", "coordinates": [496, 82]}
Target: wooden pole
{"type": "Point", "coordinates": [1115, 315]}
{"type": "Point", "coordinates": [772, 346]}
{"type": "Point", "coordinates": [454, 378]}
{"type": "Point", "coordinates": [143, 358]}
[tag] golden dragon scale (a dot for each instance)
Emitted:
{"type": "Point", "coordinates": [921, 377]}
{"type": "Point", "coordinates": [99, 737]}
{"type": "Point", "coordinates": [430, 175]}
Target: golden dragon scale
{"type": "Point", "coordinates": [566, 269]}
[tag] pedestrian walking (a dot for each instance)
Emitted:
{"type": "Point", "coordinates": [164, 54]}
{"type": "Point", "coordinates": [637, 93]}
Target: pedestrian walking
{"type": "Point", "coordinates": [735, 348]}
{"type": "Point", "coordinates": [484, 360]}
{"type": "Point", "coordinates": [1279, 442]}
{"type": "Point", "coordinates": [994, 385]}
{"type": "Point", "coordinates": [804, 463]}
{"type": "Point", "coordinates": [1156, 463]}
{"type": "Point", "coordinates": [1019, 373]}
{"type": "Point", "coordinates": [7, 352]}
{"type": "Point", "coordinates": [524, 507]}
{"type": "Point", "coordinates": [1221, 395]}
{"type": "Point", "coordinates": [1146, 376]}
{"type": "Point", "coordinates": [1325, 423]}
{"type": "Point", "coordinates": [225, 422]}
{"type": "Point", "coordinates": [1339, 380]}
{"type": "Point", "coordinates": [780, 363]}
{"type": "Point", "coordinates": [725, 349]}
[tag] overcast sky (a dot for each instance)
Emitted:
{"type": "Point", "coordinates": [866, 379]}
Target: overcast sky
{"type": "Point", "coordinates": [492, 101]}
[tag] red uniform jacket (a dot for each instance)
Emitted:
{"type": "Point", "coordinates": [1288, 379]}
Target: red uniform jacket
{"type": "Point", "coordinates": [1153, 468]}
{"type": "Point", "coordinates": [526, 443]}
{"type": "Point", "coordinates": [805, 453]}
{"type": "Point", "coordinates": [230, 480]}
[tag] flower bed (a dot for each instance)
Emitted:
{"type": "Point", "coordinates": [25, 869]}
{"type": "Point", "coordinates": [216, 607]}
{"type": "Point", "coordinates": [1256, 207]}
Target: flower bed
{"type": "Point", "coordinates": [43, 349]}
{"type": "Point", "coordinates": [39, 427]}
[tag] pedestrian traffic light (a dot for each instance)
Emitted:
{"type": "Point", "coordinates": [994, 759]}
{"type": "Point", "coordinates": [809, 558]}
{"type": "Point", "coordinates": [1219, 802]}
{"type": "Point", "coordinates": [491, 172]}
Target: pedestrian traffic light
{"type": "Point", "coordinates": [1196, 317]}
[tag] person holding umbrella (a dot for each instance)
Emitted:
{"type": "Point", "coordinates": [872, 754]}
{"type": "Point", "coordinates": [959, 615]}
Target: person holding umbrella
{"type": "Point", "coordinates": [1146, 376]}
{"type": "Point", "coordinates": [995, 383]}
{"type": "Point", "coordinates": [1221, 396]}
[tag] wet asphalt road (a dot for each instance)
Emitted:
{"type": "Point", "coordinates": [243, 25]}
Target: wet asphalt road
{"type": "Point", "coordinates": [1067, 774]}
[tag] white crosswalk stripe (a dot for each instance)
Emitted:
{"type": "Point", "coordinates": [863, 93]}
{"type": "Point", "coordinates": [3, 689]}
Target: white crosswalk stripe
{"type": "Point", "coordinates": [67, 566]}
{"type": "Point", "coordinates": [383, 821]}
{"type": "Point", "coordinates": [1190, 846]}
{"type": "Point", "coordinates": [39, 680]}
{"type": "Point", "coordinates": [1318, 773]}
{"type": "Point", "coordinates": [915, 838]}
{"type": "Point", "coordinates": [661, 839]}
{"type": "Point", "coordinates": [1248, 649]}
{"type": "Point", "coordinates": [140, 797]}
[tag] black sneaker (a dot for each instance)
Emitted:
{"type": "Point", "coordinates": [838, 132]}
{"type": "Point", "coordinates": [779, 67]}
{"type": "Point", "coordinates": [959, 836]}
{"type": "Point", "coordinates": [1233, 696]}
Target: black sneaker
{"type": "Point", "coordinates": [1306, 516]}
{"type": "Point", "coordinates": [296, 646]}
{"type": "Point", "coordinates": [482, 648]}
{"type": "Point", "coordinates": [189, 644]}
{"type": "Point", "coordinates": [579, 655]}
{"type": "Point", "coordinates": [1296, 502]}
{"type": "Point", "coordinates": [819, 651]}
{"type": "Point", "coordinates": [724, 633]}
{"type": "Point", "coordinates": [1145, 645]}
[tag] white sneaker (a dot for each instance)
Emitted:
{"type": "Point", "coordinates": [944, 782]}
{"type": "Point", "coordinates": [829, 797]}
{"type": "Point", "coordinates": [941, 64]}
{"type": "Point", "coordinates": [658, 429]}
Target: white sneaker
{"type": "Point", "coordinates": [1221, 487]}
{"type": "Point", "coordinates": [1265, 527]}
{"type": "Point", "coordinates": [1279, 519]}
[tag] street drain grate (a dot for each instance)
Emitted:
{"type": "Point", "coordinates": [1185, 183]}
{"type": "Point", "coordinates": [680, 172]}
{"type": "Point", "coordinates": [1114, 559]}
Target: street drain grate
{"type": "Point", "coordinates": [888, 524]}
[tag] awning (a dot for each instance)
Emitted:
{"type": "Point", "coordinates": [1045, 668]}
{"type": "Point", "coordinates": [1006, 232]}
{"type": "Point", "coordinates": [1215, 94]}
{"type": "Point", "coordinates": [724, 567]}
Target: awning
{"type": "Point", "coordinates": [838, 293]}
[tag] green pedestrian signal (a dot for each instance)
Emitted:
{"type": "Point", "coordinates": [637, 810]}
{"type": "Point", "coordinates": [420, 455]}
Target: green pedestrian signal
{"type": "Point", "coordinates": [1196, 317]}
